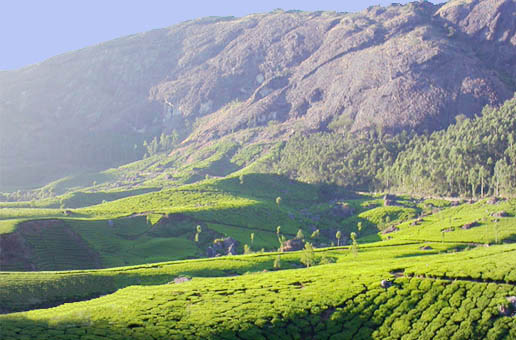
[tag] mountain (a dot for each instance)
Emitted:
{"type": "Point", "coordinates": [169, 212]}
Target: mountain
{"type": "Point", "coordinates": [413, 67]}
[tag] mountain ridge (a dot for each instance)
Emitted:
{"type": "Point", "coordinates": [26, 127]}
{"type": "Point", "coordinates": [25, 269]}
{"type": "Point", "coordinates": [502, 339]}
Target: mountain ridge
{"type": "Point", "coordinates": [412, 67]}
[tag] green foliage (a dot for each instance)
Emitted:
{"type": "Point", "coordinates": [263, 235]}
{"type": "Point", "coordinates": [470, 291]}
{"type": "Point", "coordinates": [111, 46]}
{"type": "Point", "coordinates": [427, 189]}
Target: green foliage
{"type": "Point", "coordinates": [308, 255]}
{"type": "Point", "coordinates": [350, 160]}
{"type": "Point", "coordinates": [381, 216]}
{"type": "Point", "coordinates": [165, 143]}
{"type": "Point", "coordinates": [332, 301]}
{"type": "Point", "coordinates": [247, 250]}
{"type": "Point", "coordinates": [306, 303]}
{"type": "Point", "coordinates": [300, 235]}
{"type": "Point", "coordinates": [338, 235]}
{"type": "Point", "coordinates": [450, 222]}
{"type": "Point", "coordinates": [354, 243]}
{"type": "Point", "coordinates": [473, 158]}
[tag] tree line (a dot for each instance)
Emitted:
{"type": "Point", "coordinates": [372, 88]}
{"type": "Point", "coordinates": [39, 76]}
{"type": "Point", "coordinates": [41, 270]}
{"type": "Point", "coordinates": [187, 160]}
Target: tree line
{"type": "Point", "coordinates": [474, 157]}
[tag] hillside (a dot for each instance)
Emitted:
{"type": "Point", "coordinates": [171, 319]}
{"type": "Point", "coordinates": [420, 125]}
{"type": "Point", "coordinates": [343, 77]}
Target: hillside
{"type": "Point", "coordinates": [373, 267]}
{"type": "Point", "coordinates": [161, 225]}
{"type": "Point", "coordinates": [421, 287]}
{"type": "Point", "coordinates": [287, 175]}
{"type": "Point", "coordinates": [475, 157]}
{"type": "Point", "coordinates": [254, 80]}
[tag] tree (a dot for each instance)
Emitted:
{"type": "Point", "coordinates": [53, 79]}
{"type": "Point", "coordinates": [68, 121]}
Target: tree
{"type": "Point", "coordinates": [482, 173]}
{"type": "Point", "coordinates": [501, 176]}
{"type": "Point", "coordinates": [354, 243]}
{"type": "Point", "coordinates": [300, 234]}
{"type": "Point", "coordinates": [277, 262]}
{"type": "Point", "coordinates": [315, 234]}
{"type": "Point", "coordinates": [198, 232]}
{"type": "Point", "coordinates": [359, 227]}
{"type": "Point", "coordinates": [338, 235]}
{"type": "Point", "coordinates": [281, 240]}
{"type": "Point", "coordinates": [247, 249]}
{"type": "Point", "coordinates": [278, 234]}
{"type": "Point", "coordinates": [308, 256]}
{"type": "Point", "coordinates": [473, 180]}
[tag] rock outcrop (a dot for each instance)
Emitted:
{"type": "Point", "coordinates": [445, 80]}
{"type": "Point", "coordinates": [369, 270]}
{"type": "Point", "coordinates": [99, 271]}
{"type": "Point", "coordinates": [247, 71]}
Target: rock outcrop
{"type": "Point", "coordinates": [292, 245]}
{"type": "Point", "coordinates": [223, 246]}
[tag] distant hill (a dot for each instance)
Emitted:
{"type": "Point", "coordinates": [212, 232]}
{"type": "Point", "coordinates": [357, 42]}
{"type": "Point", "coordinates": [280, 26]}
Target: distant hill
{"type": "Point", "coordinates": [256, 79]}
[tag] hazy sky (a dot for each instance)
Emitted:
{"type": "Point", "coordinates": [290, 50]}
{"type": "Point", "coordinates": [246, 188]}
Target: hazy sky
{"type": "Point", "coordinates": [34, 30]}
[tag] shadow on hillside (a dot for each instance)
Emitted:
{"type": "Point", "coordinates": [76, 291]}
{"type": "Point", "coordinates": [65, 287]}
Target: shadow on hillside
{"type": "Point", "coordinates": [408, 255]}
{"type": "Point", "coordinates": [300, 325]}
{"type": "Point", "coordinates": [272, 186]}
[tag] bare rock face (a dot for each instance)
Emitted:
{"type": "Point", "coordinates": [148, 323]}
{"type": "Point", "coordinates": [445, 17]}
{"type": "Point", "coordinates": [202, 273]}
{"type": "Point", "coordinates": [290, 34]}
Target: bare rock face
{"type": "Point", "coordinates": [224, 246]}
{"type": "Point", "coordinates": [500, 214]}
{"type": "Point", "coordinates": [386, 284]}
{"type": "Point", "coordinates": [508, 310]}
{"type": "Point", "coordinates": [390, 229]}
{"type": "Point", "coordinates": [342, 210]}
{"type": "Point", "coordinates": [181, 279]}
{"type": "Point", "coordinates": [292, 245]}
{"type": "Point", "coordinates": [398, 67]}
{"type": "Point", "coordinates": [470, 225]}
{"type": "Point", "coordinates": [492, 200]}
{"type": "Point", "coordinates": [389, 200]}
{"type": "Point", "coordinates": [491, 20]}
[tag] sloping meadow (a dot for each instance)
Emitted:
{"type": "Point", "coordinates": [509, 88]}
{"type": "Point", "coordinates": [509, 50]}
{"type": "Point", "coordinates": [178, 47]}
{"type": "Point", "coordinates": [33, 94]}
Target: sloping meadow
{"type": "Point", "coordinates": [344, 300]}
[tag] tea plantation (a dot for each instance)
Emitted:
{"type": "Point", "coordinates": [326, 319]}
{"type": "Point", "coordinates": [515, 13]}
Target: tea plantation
{"type": "Point", "coordinates": [342, 300]}
{"type": "Point", "coordinates": [419, 269]}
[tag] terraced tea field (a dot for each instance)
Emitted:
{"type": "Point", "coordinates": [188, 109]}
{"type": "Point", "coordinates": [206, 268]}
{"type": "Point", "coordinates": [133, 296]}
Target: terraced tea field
{"type": "Point", "coordinates": [420, 269]}
{"type": "Point", "coordinates": [340, 300]}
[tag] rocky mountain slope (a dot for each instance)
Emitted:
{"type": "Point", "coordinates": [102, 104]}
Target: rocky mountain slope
{"type": "Point", "coordinates": [398, 67]}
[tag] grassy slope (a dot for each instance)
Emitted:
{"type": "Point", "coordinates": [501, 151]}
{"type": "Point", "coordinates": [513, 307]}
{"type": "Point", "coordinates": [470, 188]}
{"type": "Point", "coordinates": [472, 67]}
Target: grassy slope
{"type": "Point", "coordinates": [446, 225]}
{"type": "Point", "coordinates": [343, 298]}
{"type": "Point", "coordinates": [129, 231]}
{"type": "Point", "coordinates": [448, 289]}
{"type": "Point", "coordinates": [226, 207]}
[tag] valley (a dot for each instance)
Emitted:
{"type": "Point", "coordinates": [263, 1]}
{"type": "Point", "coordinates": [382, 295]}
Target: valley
{"type": "Point", "coordinates": [285, 175]}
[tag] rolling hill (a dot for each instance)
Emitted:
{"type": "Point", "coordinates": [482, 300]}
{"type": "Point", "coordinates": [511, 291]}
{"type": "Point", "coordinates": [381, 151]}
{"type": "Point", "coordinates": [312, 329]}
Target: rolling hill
{"type": "Point", "coordinates": [288, 175]}
{"type": "Point", "coordinates": [416, 284]}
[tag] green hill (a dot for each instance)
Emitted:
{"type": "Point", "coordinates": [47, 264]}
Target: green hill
{"type": "Point", "coordinates": [160, 226]}
{"type": "Point", "coordinates": [273, 191]}
{"type": "Point", "coordinates": [343, 300]}
{"type": "Point", "coordinates": [448, 266]}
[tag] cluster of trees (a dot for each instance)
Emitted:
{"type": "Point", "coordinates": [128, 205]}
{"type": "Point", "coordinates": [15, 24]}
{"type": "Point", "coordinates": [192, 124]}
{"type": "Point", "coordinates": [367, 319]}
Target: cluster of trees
{"type": "Point", "coordinates": [350, 160]}
{"type": "Point", "coordinates": [165, 143]}
{"type": "Point", "coordinates": [474, 157]}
